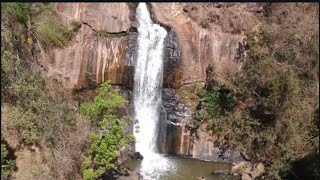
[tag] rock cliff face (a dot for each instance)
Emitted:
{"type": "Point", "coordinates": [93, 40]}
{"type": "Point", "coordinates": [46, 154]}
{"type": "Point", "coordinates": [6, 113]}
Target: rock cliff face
{"type": "Point", "coordinates": [207, 34]}
{"type": "Point", "coordinates": [110, 17]}
{"type": "Point", "coordinates": [199, 34]}
{"type": "Point", "coordinates": [209, 147]}
{"type": "Point", "coordinates": [90, 58]}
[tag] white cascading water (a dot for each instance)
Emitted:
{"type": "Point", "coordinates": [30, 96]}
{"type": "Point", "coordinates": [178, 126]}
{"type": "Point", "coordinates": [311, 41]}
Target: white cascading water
{"type": "Point", "coordinates": [147, 93]}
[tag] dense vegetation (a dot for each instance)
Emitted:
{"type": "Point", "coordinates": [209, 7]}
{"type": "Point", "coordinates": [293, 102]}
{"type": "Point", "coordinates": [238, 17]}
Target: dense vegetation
{"type": "Point", "coordinates": [106, 145]}
{"type": "Point", "coordinates": [7, 161]}
{"type": "Point", "coordinates": [33, 115]}
{"type": "Point", "coordinates": [38, 112]}
{"type": "Point", "coordinates": [270, 108]}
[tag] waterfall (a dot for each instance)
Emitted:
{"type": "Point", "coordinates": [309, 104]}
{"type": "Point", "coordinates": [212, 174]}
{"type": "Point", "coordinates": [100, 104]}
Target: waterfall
{"type": "Point", "coordinates": [147, 93]}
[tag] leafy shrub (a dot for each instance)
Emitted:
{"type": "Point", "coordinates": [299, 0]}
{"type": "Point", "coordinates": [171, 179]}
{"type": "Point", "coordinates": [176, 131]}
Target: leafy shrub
{"type": "Point", "coordinates": [39, 21]}
{"type": "Point", "coordinates": [7, 163]}
{"type": "Point", "coordinates": [105, 145]}
{"type": "Point", "coordinates": [215, 101]}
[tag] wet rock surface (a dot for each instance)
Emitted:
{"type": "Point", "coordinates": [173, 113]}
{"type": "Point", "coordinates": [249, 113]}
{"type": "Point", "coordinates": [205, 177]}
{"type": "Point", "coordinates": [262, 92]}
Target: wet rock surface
{"type": "Point", "coordinates": [136, 155]}
{"type": "Point", "coordinates": [131, 56]}
{"type": "Point", "coordinates": [175, 114]}
{"type": "Point", "coordinates": [177, 111]}
{"type": "Point", "coordinates": [172, 55]}
{"type": "Point", "coordinates": [131, 176]}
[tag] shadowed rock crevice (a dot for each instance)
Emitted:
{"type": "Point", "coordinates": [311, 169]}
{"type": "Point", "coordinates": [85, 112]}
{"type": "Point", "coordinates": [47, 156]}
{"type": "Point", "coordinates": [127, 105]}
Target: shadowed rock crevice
{"type": "Point", "coordinates": [84, 23]}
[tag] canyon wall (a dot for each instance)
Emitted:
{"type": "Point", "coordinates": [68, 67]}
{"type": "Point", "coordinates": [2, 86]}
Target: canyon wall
{"type": "Point", "coordinates": [199, 34]}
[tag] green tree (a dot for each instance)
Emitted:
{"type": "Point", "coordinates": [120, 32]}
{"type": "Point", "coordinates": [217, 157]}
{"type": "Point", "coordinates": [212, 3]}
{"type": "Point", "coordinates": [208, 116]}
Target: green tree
{"type": "Point", "coordinates": [7, 164]}
{"type": "Point", "coordinates": [105, 145]}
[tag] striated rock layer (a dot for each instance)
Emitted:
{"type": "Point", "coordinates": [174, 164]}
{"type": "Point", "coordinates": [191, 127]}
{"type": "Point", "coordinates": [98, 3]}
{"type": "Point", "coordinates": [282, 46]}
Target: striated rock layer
{"type": "Point", "coordinates": [90, 59]}
{"type": "Point", "coordinates": [205, 41]}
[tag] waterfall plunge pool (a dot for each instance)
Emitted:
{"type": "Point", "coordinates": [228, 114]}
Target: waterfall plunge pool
{"type": "Point", "coordinates": [184, 168]}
